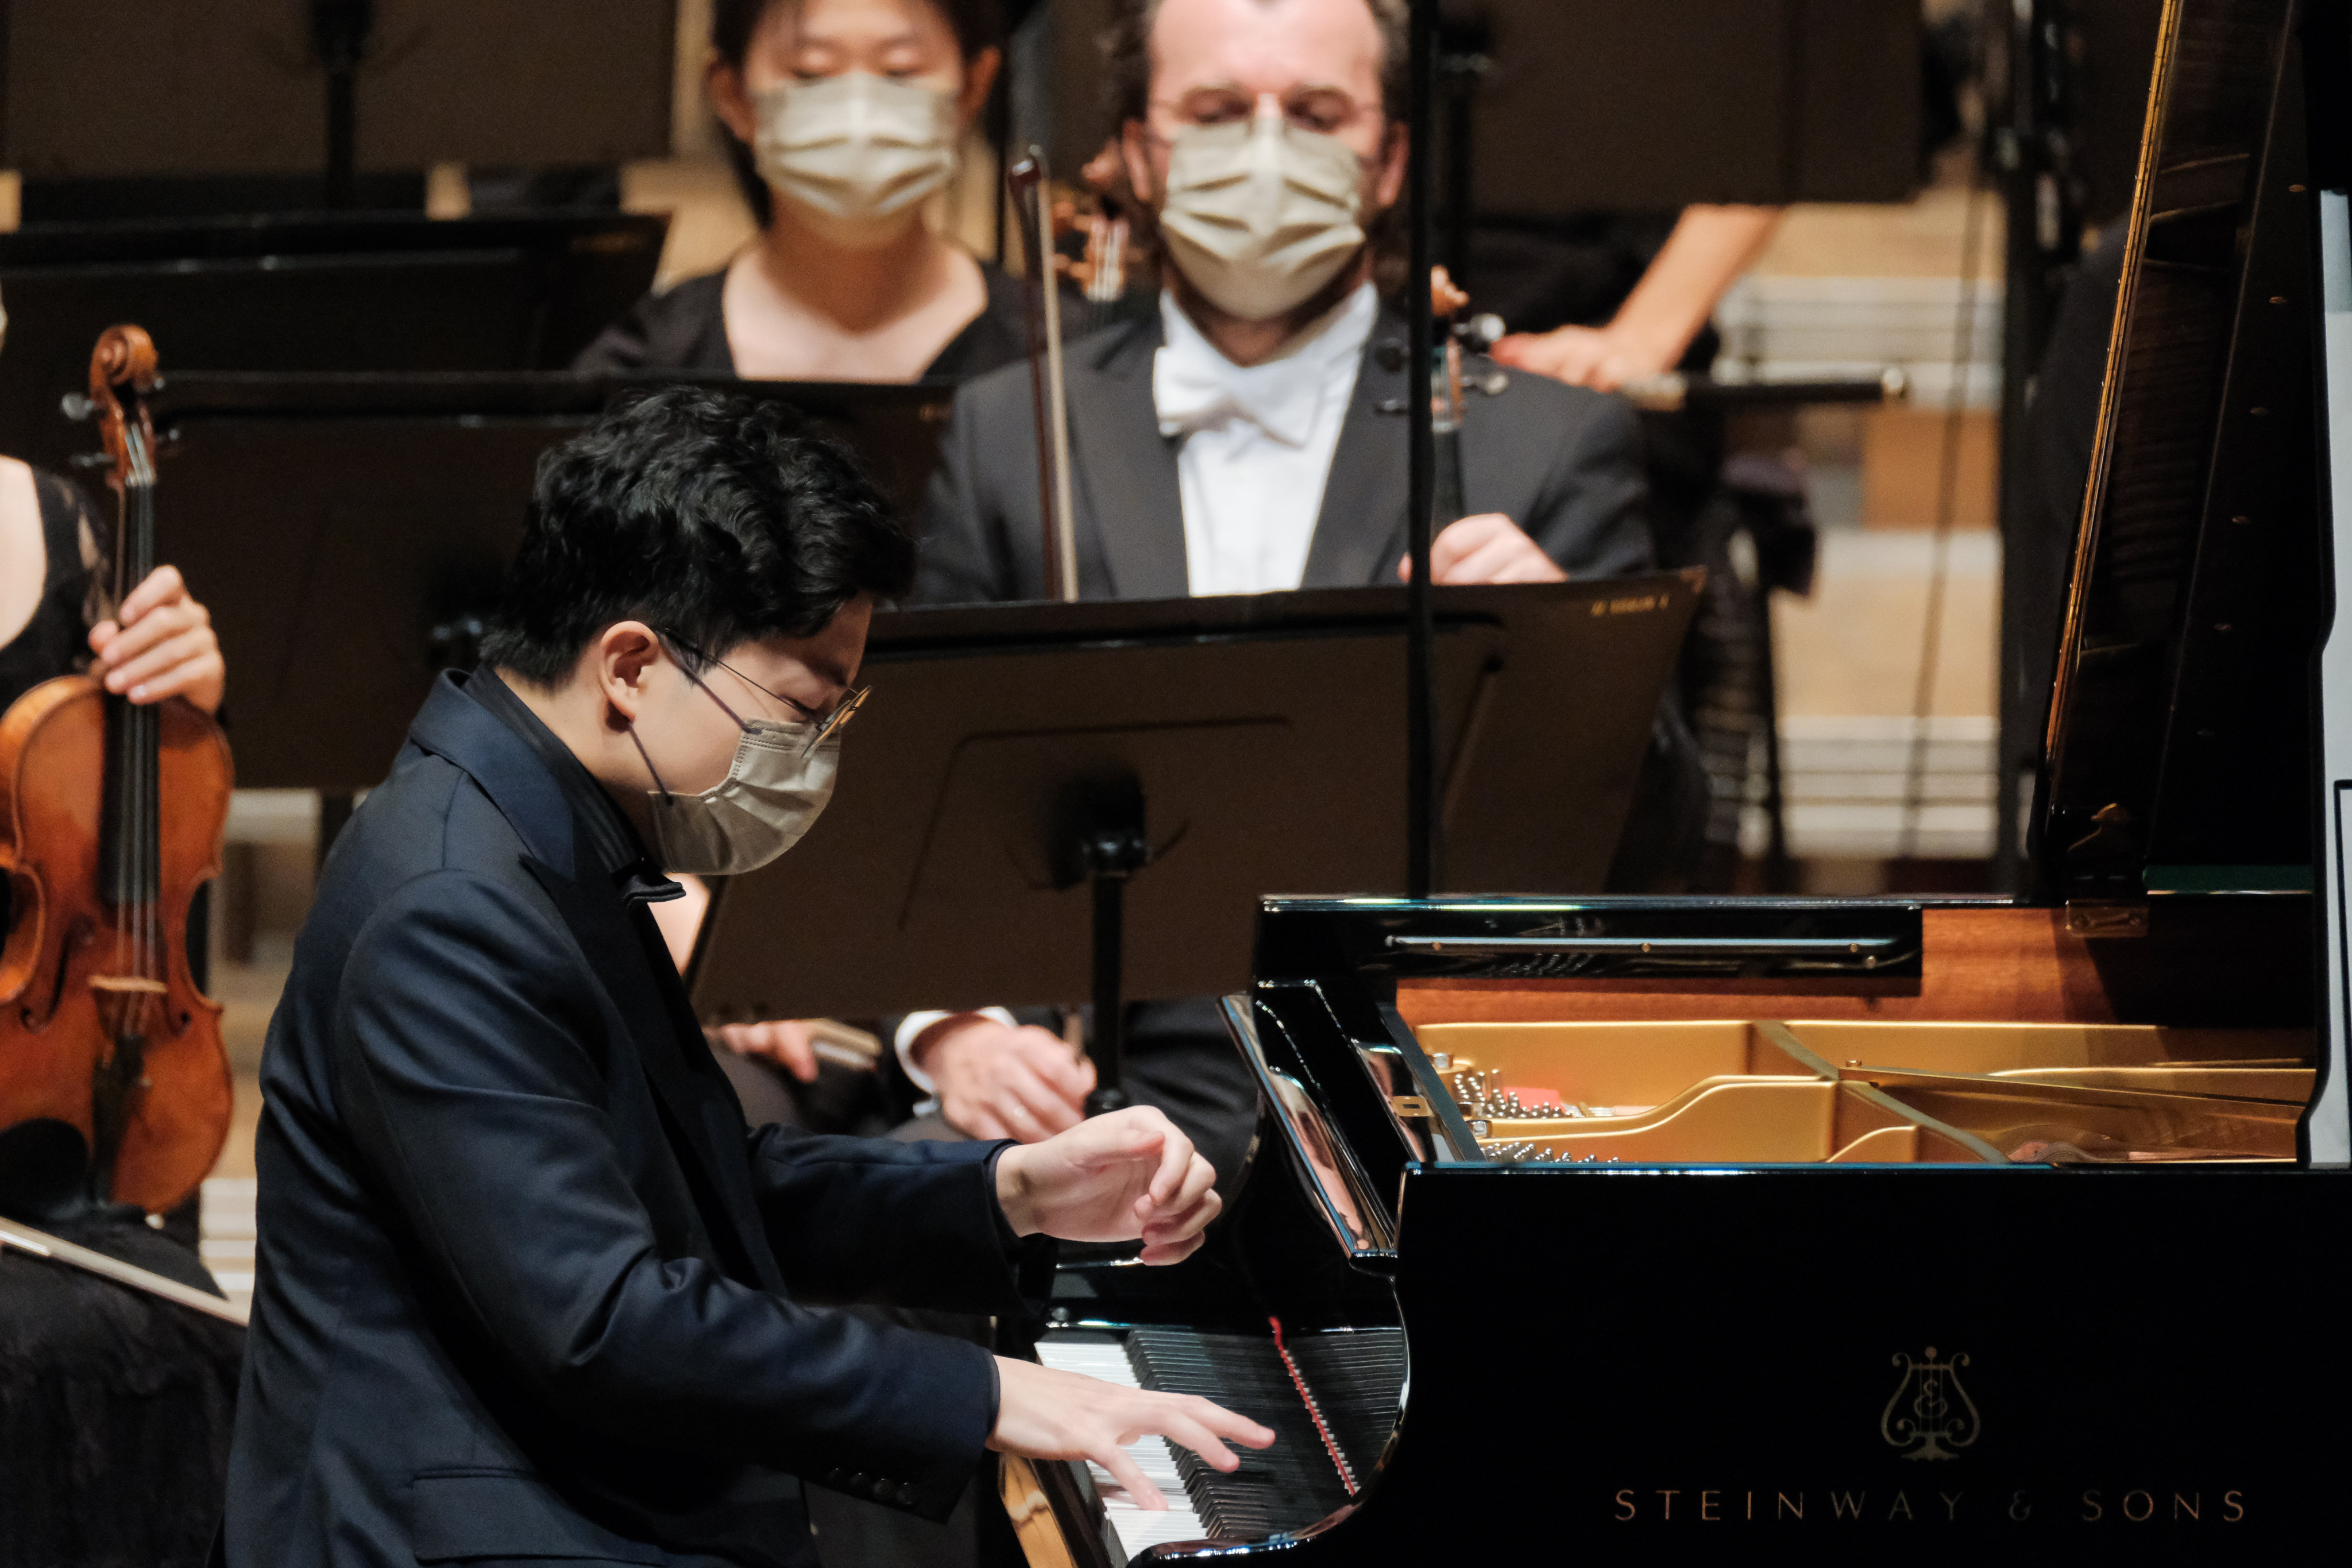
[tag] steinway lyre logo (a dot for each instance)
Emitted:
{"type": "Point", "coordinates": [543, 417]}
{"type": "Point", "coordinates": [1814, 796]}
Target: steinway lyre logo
{"type": "Point", "coordinates": [1930, 1416]}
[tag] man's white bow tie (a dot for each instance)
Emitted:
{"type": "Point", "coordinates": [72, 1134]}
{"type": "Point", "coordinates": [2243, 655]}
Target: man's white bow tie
{"type": "Point", "coordinates": [1190, 393]}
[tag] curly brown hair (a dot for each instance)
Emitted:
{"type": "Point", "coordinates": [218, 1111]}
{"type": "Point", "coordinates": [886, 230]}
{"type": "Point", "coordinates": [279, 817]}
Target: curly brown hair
{"type": "Point", "coordinates": [1127, 52]}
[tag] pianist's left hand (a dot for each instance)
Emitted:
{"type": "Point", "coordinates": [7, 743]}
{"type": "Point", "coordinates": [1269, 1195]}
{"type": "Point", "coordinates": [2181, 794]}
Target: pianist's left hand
{"type": "Point", "coordinates": [1127, 1175]}
{"type": "Point", "coordinates": [159, 645]}
{"type": "Point", "coordinates": [1488, 548]}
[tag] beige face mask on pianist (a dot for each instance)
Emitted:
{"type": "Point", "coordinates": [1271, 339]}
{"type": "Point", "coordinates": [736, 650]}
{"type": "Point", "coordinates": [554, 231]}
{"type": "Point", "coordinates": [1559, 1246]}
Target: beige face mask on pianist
{"type": "Point", "coordinates": [1260, 213]}
{"type": "Point", "coordinates": [855, 147]}
{"type": "Point", "coordinates": [776, 786]}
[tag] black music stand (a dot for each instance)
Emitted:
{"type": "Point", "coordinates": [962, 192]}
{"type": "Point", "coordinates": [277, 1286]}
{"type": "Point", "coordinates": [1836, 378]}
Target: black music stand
{"type": "Point", "coordinates": [237, 92]}
{"type": "Point", "coordinates": [1043, 802]}
{"type": "Point", "coordinates": [381, 294]}
{"type": "Point", "coordinates": [349, 532]}
{"type": "Point", "coordinates": [1675, 102]}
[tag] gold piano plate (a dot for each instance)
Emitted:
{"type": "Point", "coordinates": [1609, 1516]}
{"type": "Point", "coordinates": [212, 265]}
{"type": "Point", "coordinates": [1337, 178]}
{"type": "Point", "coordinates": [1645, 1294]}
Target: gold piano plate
{"type": "Point", "coordinates": [2073, 1050]}
{"type": "Point", "coordinates": [1839, 1091]}
{"type": "Point", "coordinates": [2090, 1093]}
{"type": "Point", "coordinates": [1620, 1068]}
{"type": "Point", "coordinates": [1746, 1121]}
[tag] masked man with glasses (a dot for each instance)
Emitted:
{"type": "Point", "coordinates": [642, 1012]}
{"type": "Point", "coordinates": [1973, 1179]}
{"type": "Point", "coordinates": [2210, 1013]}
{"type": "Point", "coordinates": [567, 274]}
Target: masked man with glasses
{"type": "Point", "coordinates": [1249, 438]}
{"type": "Point", "coordinates": [529, 1288]}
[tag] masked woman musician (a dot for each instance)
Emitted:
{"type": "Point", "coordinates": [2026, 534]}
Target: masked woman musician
{"type": "Point", "coordinates": [843, 118]}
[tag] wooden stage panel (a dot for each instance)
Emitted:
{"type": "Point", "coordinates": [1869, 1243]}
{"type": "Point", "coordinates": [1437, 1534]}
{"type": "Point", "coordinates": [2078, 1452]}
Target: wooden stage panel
{"type": "Point", "coordinates": [2243, 963]}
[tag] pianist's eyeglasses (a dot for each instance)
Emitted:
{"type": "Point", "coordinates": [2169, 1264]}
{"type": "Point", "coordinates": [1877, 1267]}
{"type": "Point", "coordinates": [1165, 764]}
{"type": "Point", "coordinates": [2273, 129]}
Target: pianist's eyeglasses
{"type": "Point", "coordinates": [827, 724]}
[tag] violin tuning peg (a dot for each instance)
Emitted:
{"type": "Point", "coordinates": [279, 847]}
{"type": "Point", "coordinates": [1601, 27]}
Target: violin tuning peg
{"type": "Point", "coordinates": [1487, 328]}
{"type": "Point", "coordinates": [76, 405]}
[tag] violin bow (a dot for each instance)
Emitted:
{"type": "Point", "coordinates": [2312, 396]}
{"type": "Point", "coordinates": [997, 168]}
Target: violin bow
{"type": "Point", "coordinates": [1049, 398]}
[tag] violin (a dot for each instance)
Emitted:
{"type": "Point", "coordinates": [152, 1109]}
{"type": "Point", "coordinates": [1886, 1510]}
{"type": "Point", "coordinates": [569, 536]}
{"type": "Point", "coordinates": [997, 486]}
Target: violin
{"type": "Point", "coordinates": [1449, 384]}
{"type": "Point", "coordinates": [111, 817]}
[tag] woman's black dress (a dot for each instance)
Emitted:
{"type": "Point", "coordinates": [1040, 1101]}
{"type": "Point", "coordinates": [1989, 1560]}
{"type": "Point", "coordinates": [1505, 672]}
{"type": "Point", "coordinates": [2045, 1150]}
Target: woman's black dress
{"type": "Point", "coordinates": [56, 641]}
{"type": "Point", "coordinates": [685, 329]}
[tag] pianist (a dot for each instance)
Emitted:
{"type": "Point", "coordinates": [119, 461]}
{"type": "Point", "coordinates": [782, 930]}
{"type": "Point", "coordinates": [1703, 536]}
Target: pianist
{"type": "Point", "coordinates": [843, 118]}
{"type": "Point", "coordinates": [527, 1286]}
{"type": "Point", "coordinates": [1248, 437]}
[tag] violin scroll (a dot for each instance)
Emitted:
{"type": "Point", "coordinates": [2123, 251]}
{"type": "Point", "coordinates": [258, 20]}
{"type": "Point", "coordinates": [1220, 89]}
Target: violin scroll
{"type": "Point", "coordinates": [124, 359]}
{"type": "Point", "coordinates": [1445, 296]}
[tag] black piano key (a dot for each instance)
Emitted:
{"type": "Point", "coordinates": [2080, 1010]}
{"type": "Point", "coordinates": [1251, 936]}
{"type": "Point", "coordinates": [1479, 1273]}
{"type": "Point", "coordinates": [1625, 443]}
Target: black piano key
{"type": "Point", "coordinates": [1357, 1380]}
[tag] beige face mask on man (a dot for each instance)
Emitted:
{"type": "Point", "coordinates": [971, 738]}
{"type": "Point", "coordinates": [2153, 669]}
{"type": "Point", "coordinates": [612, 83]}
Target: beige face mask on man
{"type": "Point", "coordinates": [1259, 214]}
{"type": "Point", "coordinates": [857, 146]}
{"type": "Point", "coordinates": [776, 788]}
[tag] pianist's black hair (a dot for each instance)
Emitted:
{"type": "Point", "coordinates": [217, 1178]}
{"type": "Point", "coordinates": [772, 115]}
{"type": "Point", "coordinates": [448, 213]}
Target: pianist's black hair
{"type": "Point", "coordinates": [979, 25]}
{"type": "Point", "coordinates": [705, 515]}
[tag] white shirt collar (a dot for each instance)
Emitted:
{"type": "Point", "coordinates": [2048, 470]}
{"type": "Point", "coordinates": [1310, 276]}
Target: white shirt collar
{"type": "Point", "coordinates": [1194, 386]}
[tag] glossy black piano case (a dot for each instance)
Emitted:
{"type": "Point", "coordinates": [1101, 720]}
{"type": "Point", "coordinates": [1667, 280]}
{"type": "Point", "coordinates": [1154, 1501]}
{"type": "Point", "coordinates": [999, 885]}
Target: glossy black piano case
{"type": "Point", "coordinates": [2110, 1357]}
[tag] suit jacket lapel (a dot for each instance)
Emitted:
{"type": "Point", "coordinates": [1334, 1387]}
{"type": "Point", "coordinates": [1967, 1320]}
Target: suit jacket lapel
{"type": "Point", "coordinates": [1359, 530]}
{"type": "Point", "coordinates": [698, 1105]}
{"type": "Point", "coordinates": [1125, 471]}
{"type": "Point", "coordinates": [700, 1113]}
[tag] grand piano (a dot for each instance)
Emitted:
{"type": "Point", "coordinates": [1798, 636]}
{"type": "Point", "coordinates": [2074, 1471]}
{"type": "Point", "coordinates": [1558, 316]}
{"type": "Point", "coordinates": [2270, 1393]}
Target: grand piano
{"type": "Point", "coordinates": [1601, 1229]}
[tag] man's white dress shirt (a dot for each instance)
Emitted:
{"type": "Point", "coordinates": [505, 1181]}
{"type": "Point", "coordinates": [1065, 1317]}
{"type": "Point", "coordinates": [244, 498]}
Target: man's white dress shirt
{"type": "Point", "coordinates": [1258, 442]}
{"type": "Point", "coordinates": [1257, 446]}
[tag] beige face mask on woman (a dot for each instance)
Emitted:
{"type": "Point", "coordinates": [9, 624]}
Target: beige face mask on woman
{"type": "Point", "coordinates": [856, 146]}
{"type": "Point", "coordinates": [1260, 213]}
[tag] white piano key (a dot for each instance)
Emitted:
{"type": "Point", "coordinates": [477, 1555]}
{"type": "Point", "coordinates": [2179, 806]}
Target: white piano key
{"type": "Point", "coordinates": [1137, 1528]}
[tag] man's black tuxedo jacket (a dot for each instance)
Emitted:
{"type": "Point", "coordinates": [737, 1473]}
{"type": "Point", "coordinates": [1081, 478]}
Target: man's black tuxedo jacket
{"type": "Point", "coordinates": [529, 1288]}
{"type": "Point", "coordinates": [1562, 462]}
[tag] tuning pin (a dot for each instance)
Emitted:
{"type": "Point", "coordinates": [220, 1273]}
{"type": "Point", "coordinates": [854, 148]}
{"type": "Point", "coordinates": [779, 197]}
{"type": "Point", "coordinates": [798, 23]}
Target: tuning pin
{"type": "Point", "coordinates": [1493, 382]}
{"type": "Point", "coordinates": [76, 405]}
{"type": "Point", "coordinates": [1487, 328]}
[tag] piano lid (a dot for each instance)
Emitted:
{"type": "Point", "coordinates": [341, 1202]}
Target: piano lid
{"type": "Point", "coordinates": [2179, 752]}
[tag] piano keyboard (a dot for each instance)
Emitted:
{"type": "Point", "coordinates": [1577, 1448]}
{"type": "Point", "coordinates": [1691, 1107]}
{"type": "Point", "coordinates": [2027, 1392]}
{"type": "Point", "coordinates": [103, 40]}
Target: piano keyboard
{"type": "Point", "coordinates": [1137, 1528]}
{"type": "Point", "coordinates": [1357, 1380]}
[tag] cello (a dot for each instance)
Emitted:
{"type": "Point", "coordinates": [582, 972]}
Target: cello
{"type": "Point", "coordinates": [103, 1028]}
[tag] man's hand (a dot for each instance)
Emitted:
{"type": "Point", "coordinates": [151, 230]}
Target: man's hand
{"type": "Point", "coordinates": [786, 1042]}
{"type": "Point", "coordinates": [160, 644]}
{"type": "Point", "coordinates": [996, 1081]}
{"type": "Point", "coordinates": [1115, 1178]}
{"type": "Point", "coordinates": [1488, 548]}
{"type": "Point", "coordinates": [1048, 1415]}
{"type": "Point", "coordinates": [1580, 356]}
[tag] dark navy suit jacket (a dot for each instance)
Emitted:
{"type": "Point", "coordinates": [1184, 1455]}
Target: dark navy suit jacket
{"type": "Point", "coordinates": [529, 1288]}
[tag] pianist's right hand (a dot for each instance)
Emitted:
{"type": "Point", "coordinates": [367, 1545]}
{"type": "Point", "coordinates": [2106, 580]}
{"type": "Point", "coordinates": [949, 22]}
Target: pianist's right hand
{"type": "Point", "coordinates": [998, 1080]}
{"type": "Point", "coordinates": [1048, 1415]}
